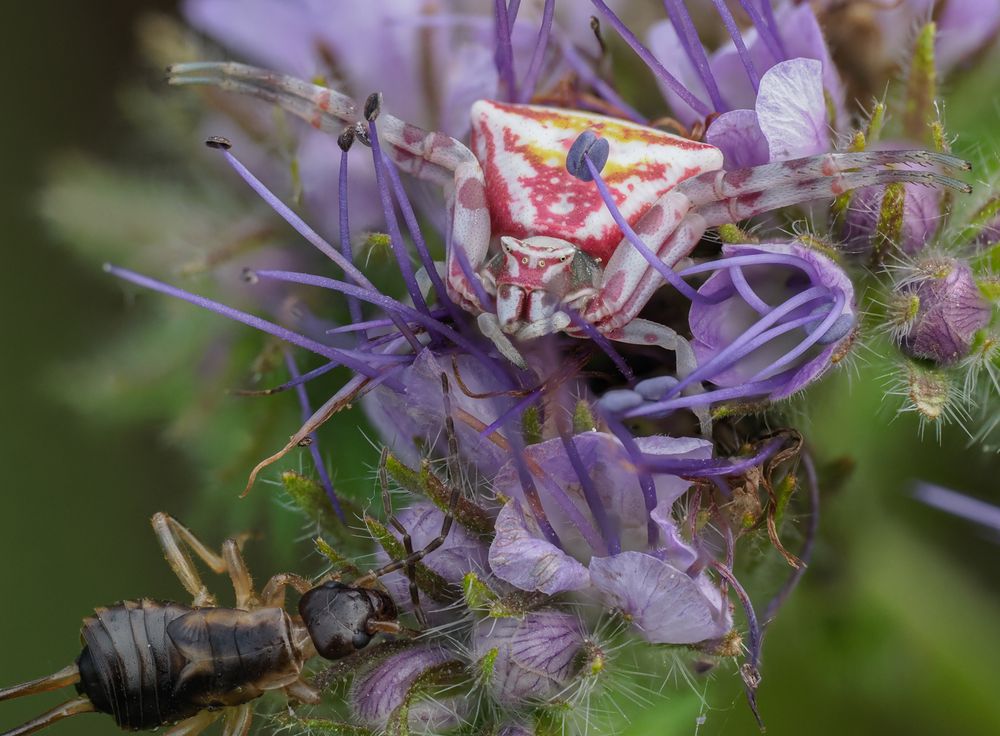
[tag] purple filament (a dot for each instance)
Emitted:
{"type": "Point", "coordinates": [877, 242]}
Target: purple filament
{"type": "Point", "coordinates": [386, 302]}
{"type": "Point", "coordinates": [772, 23]}
{"type": "Point", "coordinates": [353, 305]}
{"type": "Point", "coordinates": [688, 35]}
{"type": "Point", "coordinates": [749, 671]}
{"type": "Point", "coordinates": [755, 259]}
{"type": "Point", "coordinates": [515, 410]}
{"type": "Point", "coordinates": [714, 467]}
{"type": "Point", "coordinates": [741, 48]}
{"type": "Point", "coordinates": [324, 477]}
{"type": "Point", "coordinates": [410, 218]}
{"type": "Point", "coordinates": [377, 324]}
{"type": "Point", "coordinates": [350, 358]}
{"type": "Point", "coordinates": [296, 381]}
{"type": "Point", "coordinates": [530, 80]}
{"type": "Point", "coordinates": [667, 406]}
{"type": "Point", "coordinates": [504, 55]}
{"type": "Point", "coordinates": [767, 35]}
{"type": "Point", "coordinates": [662, 268]}
{"type": "Point", "coordinates": [651, 61]}
{"type": "Point", "coordinates": [746, 291]}
{"type": "Point", "coordinates": [314, 239]}
{"type": "Point", "coordinates": [485, 300]}
{"type": "Point", "coordinates": [612, 543]}
{"type": "Point", "coordinates": [813, 337]}
{"type": "Point", "coordinates": [392, 223]}
{"type": "Point", "coordinates": [531, 495]}
{"type": "Point", "coordinates": [601, 341]}
{"type": "Point", "coordinates": [751, 336]}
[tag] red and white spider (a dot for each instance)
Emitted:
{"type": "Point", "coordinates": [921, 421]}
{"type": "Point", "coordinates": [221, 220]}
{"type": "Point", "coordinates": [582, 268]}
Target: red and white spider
{"type": "Point", "coordinates": [555, 244]}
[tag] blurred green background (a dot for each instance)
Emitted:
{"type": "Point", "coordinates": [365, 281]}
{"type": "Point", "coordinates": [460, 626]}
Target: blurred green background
{"type": "Point", "coordinates": [894, 630]}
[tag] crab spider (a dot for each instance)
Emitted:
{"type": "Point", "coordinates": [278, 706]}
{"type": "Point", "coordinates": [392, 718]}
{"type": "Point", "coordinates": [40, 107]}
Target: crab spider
{"type": "Point", "coordinates": [557, 249]}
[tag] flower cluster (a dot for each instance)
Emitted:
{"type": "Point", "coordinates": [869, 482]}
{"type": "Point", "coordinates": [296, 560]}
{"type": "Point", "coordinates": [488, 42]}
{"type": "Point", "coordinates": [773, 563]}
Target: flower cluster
{"type": "Point", "coordinates": [583, 394]}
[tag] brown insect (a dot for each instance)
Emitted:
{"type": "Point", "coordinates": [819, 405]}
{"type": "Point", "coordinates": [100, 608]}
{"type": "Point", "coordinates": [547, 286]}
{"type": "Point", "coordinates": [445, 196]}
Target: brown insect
{"type": "Point", "coordinates": [152, 663]}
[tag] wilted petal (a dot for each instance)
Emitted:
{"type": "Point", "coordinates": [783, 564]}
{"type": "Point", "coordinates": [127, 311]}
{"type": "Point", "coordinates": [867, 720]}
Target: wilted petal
{"type": "Point", "coordinates": [524, 559]}
{"type": "Point", "coordinates": [791, 110]}
{"type": "Point", "coordinates": [536, 654]}
{"type": "Point", "coordinates": [665, 605]}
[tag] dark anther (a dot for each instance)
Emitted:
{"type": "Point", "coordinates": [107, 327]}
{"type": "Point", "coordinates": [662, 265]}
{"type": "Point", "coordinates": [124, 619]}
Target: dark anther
{"type": "Point", "coordinates": [217, 141]}
{"type": "Point", "coordinates": [587, 145]}
{"type": "Point", "coordinates": [595, 26]}
{"type": "Point", "coordinates": [250, 276]}
{"type": "Point", "coordinates": [346, 139]}
{"type": "Point", "coordinates": [361, 134]}
{"type": "Point", "coordinates": [305, 441]}
{"type": "Point", "coordinates": [373, 105]}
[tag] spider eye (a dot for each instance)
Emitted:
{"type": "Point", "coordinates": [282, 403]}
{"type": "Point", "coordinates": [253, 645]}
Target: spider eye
{"type": "Point", "coordinates": [525, 260]}
{"type": "Point", "coordinates": [562, 259]}
{"type": "Point", "coordinates": [541, 264]}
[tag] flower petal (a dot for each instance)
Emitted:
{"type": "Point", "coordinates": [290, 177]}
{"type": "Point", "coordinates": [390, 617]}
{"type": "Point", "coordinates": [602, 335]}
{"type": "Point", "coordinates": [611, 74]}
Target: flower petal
{"type": "Point", "coordinates": [664, 604]}
{"type": "Point", "coordinates": [520, 556]}
{"type": "Point", "coordinates": [739, 137]}
{"type": "Point", "coordinates": [791, 110]}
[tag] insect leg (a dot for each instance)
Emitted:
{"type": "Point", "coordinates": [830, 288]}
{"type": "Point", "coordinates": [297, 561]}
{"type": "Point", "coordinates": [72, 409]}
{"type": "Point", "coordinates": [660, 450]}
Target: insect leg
{"type": "Point", "coordinates": [67, 709]}
{"type": "Point", "coordinates": [66, 676]}
{"type": "Point", "coordinates": [411, 570]}
{"type": "Point", "coordinates": [195, 724]}
{"type": "Point", "coordinates": [238, 720]}
{"type": "Point", "coordinates": [274, 591]}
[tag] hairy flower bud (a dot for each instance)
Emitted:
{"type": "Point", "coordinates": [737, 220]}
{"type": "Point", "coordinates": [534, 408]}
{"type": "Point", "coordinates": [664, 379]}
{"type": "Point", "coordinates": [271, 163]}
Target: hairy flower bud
{"type": "Point", "coordinates": [906, 217]}
{"type": "Point", "coordinates": [951, 311]}
{"type": "Point", "coordinates": [528, 658]}
{"type": "Point", "coordinates": [388, 690]}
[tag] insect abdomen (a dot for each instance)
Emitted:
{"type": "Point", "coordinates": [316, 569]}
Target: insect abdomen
{"type": "Point", "coordinates": [128, 667]}
{"type": "Point", "coordinates": [148, 663]}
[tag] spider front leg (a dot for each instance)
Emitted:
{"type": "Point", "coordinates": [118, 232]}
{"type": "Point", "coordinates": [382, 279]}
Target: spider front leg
{"type": "Point", "coordinates": [426, 155]}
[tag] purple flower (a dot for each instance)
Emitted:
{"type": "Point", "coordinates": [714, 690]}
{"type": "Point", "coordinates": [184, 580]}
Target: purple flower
{"type": "Point", "coordinates": [590, 531]}
{"type": "Point", "coordinates": [533, 657]}
{"type": "Point", "coordinates": [951, 310]}
{"type": "Point", "coordinates": [382, 689]}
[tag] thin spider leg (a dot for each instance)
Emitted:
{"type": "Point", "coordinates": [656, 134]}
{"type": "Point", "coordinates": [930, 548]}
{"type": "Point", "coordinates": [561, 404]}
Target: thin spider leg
{"type": "Point", "coordinates": [715, 185]}
{"type": "Point", "coordinates": [749, 204]}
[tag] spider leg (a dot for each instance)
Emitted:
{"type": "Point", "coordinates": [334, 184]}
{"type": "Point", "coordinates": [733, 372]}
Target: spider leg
{"type": "Point", "coordinates": [433, 157]}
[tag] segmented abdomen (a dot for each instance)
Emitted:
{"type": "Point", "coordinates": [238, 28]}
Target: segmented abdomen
{"type": "Point", "coordinates": [149, 663]}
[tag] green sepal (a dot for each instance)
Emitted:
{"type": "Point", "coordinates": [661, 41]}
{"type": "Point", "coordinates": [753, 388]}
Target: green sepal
{"type": "Point", "coordinates": [476, 593]}
{"type": "Point", "coordinates": [470, 515]}
{"type": "Point", "coordinates": [516, 604]}
{"type": "Point", "coordinates": [890, 221]}
{"type": "Point", "coordinates": [336, 559]}
{"type": "Point", "coordinates": [989, 287]}
{"type": "Point", "coordinates": [783, 492]}
{"type": "Point", "coordinates": [377, 240]}
{"type": "Point", "coordinates": [858, 142]}
{"type": "Point", "coordinates": [531, 426]}
{"type": "Point", "coordinates": [486, 665]}
{"type": "Point", "coordinates": [309, 497]}
{"type": "Point", "coordinates": [427, 580]}
{"type": "Point", "coordinates": [424, 482]}
{"type": "Point", "coordinates": [876, 121]}
{"type": "Point", "coordinates": [921, 87]}
{"type": "Point", "coordinates": [734, 235]}
{"type": "Point", "coordinates": [583, 418]}
{"type": "Point", "coordinates": [984, 216]}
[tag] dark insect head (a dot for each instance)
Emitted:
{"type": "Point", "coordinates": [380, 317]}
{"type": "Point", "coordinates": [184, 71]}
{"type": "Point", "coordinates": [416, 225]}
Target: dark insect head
{"type": "Point", "coordinates": [342, 619]}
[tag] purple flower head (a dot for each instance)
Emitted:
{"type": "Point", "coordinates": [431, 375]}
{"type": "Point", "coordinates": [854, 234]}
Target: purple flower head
{"type": "Point", "coordinates": [904, 216]}
{"type": "Point", "coordinates": [461, 553]}
{"type": "Point", "coordinates": [389, 685]}
{"type": "Point", "coordinates": [771, 318]}
{"type": "Point", "coordinates": [597, 528]}
{"type": "Point", "coordinates": [532, 657]}
{"type": "Point", "coordinates": [951, 310]}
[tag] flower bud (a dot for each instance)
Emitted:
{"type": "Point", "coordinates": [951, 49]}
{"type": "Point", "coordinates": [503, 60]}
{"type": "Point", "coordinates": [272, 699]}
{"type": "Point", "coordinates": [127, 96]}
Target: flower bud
{"type": "Point", "coordinates": [951, 311]}
{"type": "Point", "coordinates": [529, 658]}
{"type": "Point", "coordinates": [388, 690]}
{"type": "Point", "coordinates": [893, 215]}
